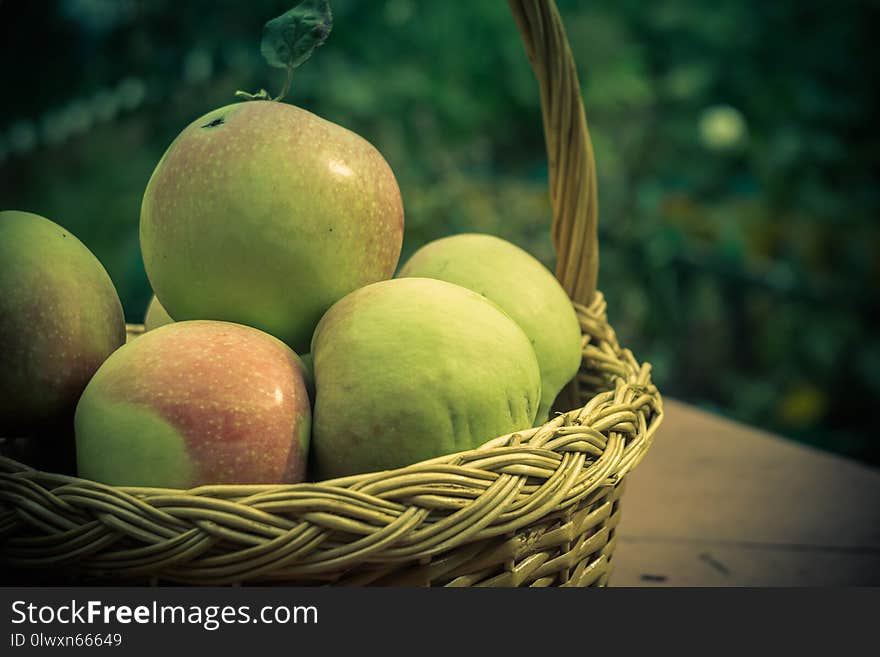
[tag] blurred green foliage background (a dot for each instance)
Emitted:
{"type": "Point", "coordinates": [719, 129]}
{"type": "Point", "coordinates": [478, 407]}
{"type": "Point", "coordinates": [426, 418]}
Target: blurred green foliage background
{"type": "Point", "coordinates": [736, 147]}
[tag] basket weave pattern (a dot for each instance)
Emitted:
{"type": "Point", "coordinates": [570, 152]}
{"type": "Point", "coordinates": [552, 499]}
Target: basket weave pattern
{"type": "Point", "coordinates": [537, 507]}
{"type": "Point", "coordinates": [534, 508]}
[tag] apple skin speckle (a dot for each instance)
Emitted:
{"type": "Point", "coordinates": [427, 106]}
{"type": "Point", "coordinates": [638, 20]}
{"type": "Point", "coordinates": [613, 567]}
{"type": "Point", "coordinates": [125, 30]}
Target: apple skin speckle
{"type": "Point", "coordinates": [234, 219]}
{"type": "Point", "coordinates": [229, 398]}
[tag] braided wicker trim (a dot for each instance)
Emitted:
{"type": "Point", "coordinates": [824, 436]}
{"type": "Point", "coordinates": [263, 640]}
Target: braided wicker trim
{"type": "Point", "coordinates": [327, 530]}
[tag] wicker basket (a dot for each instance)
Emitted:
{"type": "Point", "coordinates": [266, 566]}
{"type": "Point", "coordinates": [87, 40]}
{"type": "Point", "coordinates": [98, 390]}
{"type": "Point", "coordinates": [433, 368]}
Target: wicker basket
{"type": "Point", "coordinates": [534, 508]}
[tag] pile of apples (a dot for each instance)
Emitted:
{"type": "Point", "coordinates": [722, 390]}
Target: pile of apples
{"type": "Point", "coordinates": [272, 238]}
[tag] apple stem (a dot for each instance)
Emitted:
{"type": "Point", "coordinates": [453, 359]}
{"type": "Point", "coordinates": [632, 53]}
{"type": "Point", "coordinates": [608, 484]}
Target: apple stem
{"type": "Point", "coordinates": [262, 94]}
{"type": "Point", "coordinates": [286, 87]}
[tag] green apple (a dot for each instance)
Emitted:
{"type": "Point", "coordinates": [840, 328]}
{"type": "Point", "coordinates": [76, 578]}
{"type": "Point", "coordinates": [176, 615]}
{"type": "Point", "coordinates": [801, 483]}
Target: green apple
{"type": "Point", "coordinates": [60, 318]}
{"type": "Point", "coordinates": [156, 315]}
{"type": "Point", "coordinates": [308, 364]}
{"type": "Point", "coordinates": [410, 369]}
{"type": "Point", "coordinates": [265, 214]}
{"type": "Point", "coordinates": [192, 403]}
{"type": "Point", "coordinates": [309, 374]}
{"type": "Point", "coordinates": [523, 287]}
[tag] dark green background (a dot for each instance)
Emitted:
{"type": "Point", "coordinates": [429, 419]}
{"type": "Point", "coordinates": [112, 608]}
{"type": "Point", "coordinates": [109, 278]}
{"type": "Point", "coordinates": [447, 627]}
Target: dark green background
{"type": "Point", "coordinates": [736, 146]}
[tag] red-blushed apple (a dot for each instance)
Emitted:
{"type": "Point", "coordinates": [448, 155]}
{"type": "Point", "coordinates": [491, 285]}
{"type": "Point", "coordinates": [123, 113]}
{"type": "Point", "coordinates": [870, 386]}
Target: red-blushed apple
{"type": "Point", "coordinates": [60, 318]}
{"type": "Point", "coordinates": [265, 214]}
{"type": "Point", "coordinates": [192, 403]}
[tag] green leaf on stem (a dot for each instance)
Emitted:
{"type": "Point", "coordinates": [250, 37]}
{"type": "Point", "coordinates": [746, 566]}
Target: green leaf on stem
{"type": "Point", "coordinates": [290, 39]}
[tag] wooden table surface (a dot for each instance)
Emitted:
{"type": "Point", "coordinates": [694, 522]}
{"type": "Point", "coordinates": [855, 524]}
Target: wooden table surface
{"type": "Point", "coordinates": [717, 503]}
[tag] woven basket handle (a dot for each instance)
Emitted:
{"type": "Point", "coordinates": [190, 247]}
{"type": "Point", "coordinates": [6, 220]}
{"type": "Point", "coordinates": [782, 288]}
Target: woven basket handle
{"type": "Point", "coordinates": [569, 150]}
